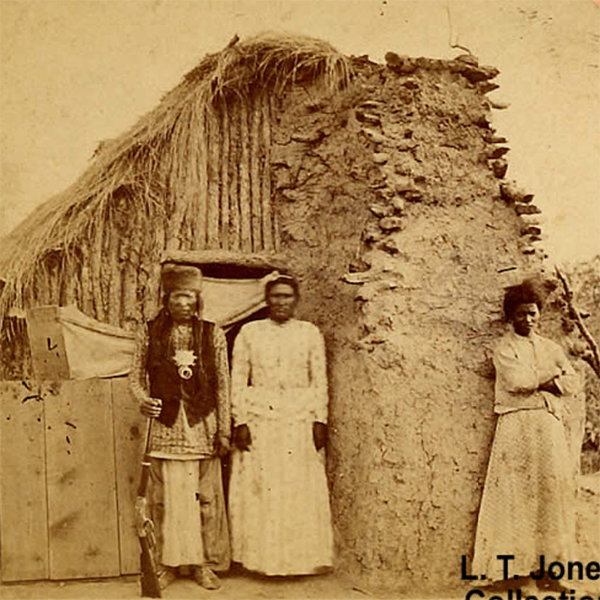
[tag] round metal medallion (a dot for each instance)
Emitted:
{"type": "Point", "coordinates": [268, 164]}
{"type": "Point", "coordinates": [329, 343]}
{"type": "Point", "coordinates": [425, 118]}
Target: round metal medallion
{"type": "Point", "coordinates": [185, 372]}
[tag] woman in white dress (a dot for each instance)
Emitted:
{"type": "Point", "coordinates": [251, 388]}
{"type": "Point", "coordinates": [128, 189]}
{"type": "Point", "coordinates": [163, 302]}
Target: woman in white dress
{"type": "Point", "coordinates": [278, 496]}
{"type": "Point", "coordinates": [527, 505]}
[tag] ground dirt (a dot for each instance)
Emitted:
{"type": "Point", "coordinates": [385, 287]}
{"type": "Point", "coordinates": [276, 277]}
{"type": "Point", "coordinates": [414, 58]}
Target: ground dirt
{"type": "Point", "coordinates": [242, 587]}
{"type": "Point", "coordinates": [239, 584]}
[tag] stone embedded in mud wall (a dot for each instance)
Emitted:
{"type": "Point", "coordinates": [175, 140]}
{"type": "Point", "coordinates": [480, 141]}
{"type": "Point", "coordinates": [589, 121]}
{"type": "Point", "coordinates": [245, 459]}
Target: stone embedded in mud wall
{"type": "Point", "coordinates": [487, 86]}
{"type": "Point", "coordinates": [498, 152]}
{"type": "Point", "coordinates": [531, 230]}
{"type": "Point", "coordinates": [372, 234]}
{"type": "Point", "coordinates": [499, 168]}
{"type": "Point", "coordinates": [380, 158]}
{"type": "Point", "coordinates": [495, 139]}
{"type": "Point", "coordinates": [379, 210]}
{"type": "Point", "coordinates": [398, 204]}
{"type": "Point", "coordinates": [532, 219]}
{"type": "Point", "coordinates": [390, 246]}
{"type": "Point", "coordinates": [499, 105]}
{"type": "Point", "coordinates": [367, 117]}
{"type": "Point", "coordinates": [511, 192]}
{"type": "Point", "coordinates": [522, 208]}
{"type": "Point", "coordinates": [391, 223]}
{"type": "Point", "coordinates": [374, 136]}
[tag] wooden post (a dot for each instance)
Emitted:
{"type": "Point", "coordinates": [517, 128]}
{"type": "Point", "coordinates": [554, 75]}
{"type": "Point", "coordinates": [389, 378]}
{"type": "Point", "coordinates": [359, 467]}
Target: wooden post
{"type": "Point", "coordinates": [114, 275]}
{"type": "Point", "coordinates": [245, 212]}
{"type": "Point", "coordinates": [594, 359]}
{"type": "Point", "coordinates": [255, 191]}
{"type": "Point", "coordinates": [131, 310]}
{"type": "Point", "coordinates": [212, 212]}
{"type": "Point", "coordinates": [234, 159]}
{"type": "Point", "coordinates": [202, 193]}
{"type": "Point", "coordinates": [87, 293]}
{"type": "Point", "coordinates": [224, 203]}
{"type": "Point", "coordinates": [265, 174]}
{"type": "Point", "coordinates": [274, 208]}
{"type": "Point", "coordinates": [152, 256]}
{"type": "Point", "coordinates": [70, 285]}
{"type": "Point", "coordinates": [96, 272]}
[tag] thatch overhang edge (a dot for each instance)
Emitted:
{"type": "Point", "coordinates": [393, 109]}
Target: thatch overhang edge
{"type": "Point", "coordinates": [131, 160]}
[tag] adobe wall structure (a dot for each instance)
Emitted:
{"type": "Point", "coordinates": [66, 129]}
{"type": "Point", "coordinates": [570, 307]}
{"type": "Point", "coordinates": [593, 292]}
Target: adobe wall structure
{"type": "Point", "coordinates": [391, 212]}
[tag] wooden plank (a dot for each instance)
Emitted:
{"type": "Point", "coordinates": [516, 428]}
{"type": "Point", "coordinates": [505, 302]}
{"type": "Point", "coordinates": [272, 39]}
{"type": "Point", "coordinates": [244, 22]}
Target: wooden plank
{"type": "Point", "coordinates": [23, 507]}
{"type": "Point", "coordinates": [130, 429]}
{"type": "Point", "coordinates": [82, 507]}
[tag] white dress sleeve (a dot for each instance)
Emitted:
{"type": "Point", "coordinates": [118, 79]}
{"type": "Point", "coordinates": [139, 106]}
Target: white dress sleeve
{"type": "Point", "coordinates": [240, 378]}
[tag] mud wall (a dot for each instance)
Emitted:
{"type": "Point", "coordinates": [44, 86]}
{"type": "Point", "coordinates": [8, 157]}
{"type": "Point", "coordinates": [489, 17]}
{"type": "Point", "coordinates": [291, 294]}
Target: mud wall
{"type": "Point", "coordinates": [392, 215]}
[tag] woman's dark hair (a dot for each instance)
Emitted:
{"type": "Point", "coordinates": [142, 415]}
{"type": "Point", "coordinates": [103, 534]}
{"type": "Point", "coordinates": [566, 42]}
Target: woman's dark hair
{"type": "Point", "coordinates": [527, 293]}
{"type": "Point", "coordinates": [285, 279]}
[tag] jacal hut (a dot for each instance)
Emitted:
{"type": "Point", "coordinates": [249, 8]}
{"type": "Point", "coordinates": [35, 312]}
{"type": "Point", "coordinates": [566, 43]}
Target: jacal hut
{"type": "Point", "coordinates": [382, 187]}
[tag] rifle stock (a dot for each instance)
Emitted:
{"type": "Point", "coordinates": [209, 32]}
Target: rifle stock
{"type": "Point", "coordinates": [150, 587]}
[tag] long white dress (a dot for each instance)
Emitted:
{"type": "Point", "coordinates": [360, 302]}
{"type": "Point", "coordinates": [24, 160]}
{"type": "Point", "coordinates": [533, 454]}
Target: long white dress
{"type": "Point", "coordinates": [279, 510]}
{"type": "Point", "coordinates": [527, 504]}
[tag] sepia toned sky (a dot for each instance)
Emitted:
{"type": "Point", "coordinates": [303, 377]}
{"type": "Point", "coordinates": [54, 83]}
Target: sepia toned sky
{"type": "Point", "coordinates": [74, 72]}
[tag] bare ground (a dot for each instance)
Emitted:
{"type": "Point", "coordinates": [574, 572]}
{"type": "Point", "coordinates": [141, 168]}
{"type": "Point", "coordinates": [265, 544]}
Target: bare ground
{"type": "Point", "coordinates": [235, 586]}
{"type": "Point", "coordinates": [240, 585]}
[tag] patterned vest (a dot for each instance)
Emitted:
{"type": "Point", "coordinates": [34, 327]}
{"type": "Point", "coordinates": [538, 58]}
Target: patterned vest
{"type": "Point", "coordinates": [199, 392]}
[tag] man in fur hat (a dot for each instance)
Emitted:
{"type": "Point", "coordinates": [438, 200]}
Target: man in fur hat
{"type": "Point", "coordinates": [181, 379]}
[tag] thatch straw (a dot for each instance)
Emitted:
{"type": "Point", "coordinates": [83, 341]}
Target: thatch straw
{"type": "Point", "coordinates": [159, 164]}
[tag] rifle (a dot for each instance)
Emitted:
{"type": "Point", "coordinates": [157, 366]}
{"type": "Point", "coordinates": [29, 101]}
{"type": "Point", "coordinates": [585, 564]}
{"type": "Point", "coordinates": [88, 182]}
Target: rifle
{"type": "Point", "coordinates": [149, 584]}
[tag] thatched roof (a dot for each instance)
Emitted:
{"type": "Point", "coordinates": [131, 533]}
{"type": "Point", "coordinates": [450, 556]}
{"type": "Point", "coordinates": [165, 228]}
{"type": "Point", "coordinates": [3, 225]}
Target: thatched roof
{"type": "Point", "coordinates": [163, 141]}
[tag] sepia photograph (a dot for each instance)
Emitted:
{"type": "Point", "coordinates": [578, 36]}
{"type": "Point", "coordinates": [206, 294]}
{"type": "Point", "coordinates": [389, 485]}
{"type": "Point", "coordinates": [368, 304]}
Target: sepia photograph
{"type": "Point", "coordinates": [300, 299]}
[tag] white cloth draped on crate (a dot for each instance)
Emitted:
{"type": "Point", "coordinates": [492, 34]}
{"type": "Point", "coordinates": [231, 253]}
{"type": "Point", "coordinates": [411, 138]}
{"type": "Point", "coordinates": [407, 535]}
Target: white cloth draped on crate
{"type": "Point", "coordinates": [278, 497]}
